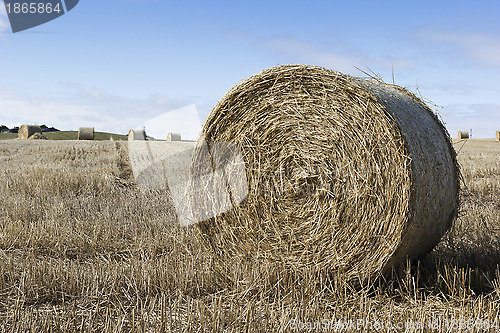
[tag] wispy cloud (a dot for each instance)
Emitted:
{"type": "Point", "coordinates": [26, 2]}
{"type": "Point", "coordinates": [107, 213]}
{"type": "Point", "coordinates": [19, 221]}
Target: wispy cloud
{"type": "Point", "coordinates": [481, 118]}
{"type": "Point", "coordinates": [481, 48]}
{"type": "Point", "coordinates": [338, 55]}
{"type": "Point", "coordinates": [81, 106]}
{"type": "Point", "coordinates": [18, 108]}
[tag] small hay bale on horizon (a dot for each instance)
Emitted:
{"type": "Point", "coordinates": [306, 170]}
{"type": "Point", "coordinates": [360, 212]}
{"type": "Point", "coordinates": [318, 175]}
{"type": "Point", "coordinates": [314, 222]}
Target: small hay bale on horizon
{"type": "Point", "coordinates": [37, 136]}
{"type": "Point", "coordinates": [25, 131]}
{"type": "Point", "coordinates": [173, 137]}
{"type": "Point", "coordinates": [463, 135]}
{"type": "Point", "coordinates": [498, 136]}
{"type": "Point", "coordinates": [86, 133]}
{"type": "Point", "coordinates": [322, 194]}
{"type": "Point", "coordinates": [136, 135]}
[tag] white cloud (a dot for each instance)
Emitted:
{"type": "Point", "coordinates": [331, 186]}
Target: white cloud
{"type": "Point", "coordinates": [4, 20]}
{"type": "Point", "coordinates": [81, 106]}
{"type": "Point", "coordinates": [17, 108]}
{"type": "Point", "coordinates": [481, 48]}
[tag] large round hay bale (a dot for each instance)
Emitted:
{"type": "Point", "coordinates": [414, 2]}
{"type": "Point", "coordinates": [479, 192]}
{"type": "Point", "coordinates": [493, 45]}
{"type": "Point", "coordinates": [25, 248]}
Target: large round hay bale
{"type": "Point", "coordinates": [86, 133]}
{"type": "Point", "coordinates": [25, 131]}
{"type": "Point", "coordinates": [463, 135]}
{"type": "Point", "coordinates": [136, 135]}
{"type": "Point", "coordinates": [498, 136]}
{"type": "Point", "coordinates": [337, 178]}
{"type": "Point", "coordinates": [173, 137]}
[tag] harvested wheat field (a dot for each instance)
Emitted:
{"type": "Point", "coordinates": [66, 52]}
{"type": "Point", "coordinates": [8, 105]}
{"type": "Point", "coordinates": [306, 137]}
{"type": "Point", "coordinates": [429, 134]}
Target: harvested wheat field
{"type": "Point", "coordinates": [83, 249]}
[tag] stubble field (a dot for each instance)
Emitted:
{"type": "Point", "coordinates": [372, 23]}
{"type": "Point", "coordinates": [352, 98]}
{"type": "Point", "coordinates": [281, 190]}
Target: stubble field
{"type": "Point", "coordinates": [82, 249]}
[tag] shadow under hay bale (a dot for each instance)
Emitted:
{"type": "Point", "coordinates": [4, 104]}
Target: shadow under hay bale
{"type": "Point", "coordinates": [337, 179]}
{"type": "Point", "coordinates": [86, 133]}
{"type": "Point", "coordinates": [26, 131]}
{"type": "Point", "coordinates": [463, 135]}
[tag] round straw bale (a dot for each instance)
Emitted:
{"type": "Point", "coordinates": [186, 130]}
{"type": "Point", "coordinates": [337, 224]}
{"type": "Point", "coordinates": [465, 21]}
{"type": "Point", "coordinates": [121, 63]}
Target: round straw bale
{"type": "Point", "coordinates": [86, 133]}
{"type": "Point", "coordinates": [134, 135]}
{"type": "Point", "coordinates": [25, 131]}
{"type": "Point", "coordinates": [337, 180]}
{"type": "Point", "coordinates": [498, 136]}
{"type": "Point", "coordinates": [463, 135]}
{"type": "Point", "coordinates": [37, 136]}
{"type": "Point", "coordinates": [173, 137]}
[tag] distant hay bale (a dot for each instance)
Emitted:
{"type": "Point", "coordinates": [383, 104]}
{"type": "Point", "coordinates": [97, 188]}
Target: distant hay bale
{"type": "Point", "coordinates": [463, 135]}
{"type": "Point", "coordinates": [134, 135]}
{"type": "Point", "coordinates": [86, 133]}
{"type": "Point", "coordinates": [498, 136]}
{"type": "Point", "coordinates": [173, 137]}
{"type": "Point", "coordinates": [25, 131]}
{"type": "Point", "coordinates": [37, 136]}
{"type": "Point", "coordinates": [337, 180]}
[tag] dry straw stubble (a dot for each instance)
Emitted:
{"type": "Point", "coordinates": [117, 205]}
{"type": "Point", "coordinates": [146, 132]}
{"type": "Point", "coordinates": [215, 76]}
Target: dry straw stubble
{"type": "Point", "coordinates": [337, 179]}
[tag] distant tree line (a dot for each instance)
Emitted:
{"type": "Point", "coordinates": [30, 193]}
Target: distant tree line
{"type": "Point", "coordinates": [5, 129]}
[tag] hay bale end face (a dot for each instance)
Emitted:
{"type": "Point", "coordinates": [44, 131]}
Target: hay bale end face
{"type": "Point", "coordinates": [86, 133]}
{"type": "Point", "coordinates": [321, 193]}
{"type": "Point", "coordinates": [498, 136]}
{"type": "Point", "coordinates": [136, 135]}
{"type": "Point", "coordinates": [173, 137]}
{"type": "Point", "coordinates": [25, 131]}
{"type": "Point", "coordinates": [463, 135]}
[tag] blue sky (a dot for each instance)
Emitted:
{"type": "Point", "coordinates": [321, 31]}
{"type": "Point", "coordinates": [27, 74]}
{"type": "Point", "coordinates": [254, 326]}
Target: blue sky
{"type": "Point", "coordinates": [114, 64]}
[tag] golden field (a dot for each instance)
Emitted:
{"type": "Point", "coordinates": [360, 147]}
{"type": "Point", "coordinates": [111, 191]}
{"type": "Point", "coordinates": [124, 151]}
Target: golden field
{"type": "Point", "coordinates": [82, 249]}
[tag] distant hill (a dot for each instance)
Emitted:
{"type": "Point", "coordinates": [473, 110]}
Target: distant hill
{"type": "Point", "coordinates": [48, 129]}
